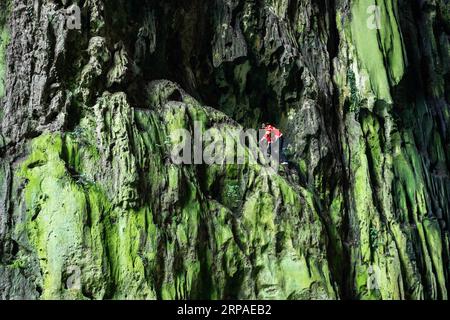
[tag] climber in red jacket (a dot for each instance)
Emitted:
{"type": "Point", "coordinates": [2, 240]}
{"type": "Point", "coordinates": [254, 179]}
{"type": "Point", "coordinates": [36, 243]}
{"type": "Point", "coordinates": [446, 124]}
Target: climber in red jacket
{"type": "Point", "coordinates": [272, 135]}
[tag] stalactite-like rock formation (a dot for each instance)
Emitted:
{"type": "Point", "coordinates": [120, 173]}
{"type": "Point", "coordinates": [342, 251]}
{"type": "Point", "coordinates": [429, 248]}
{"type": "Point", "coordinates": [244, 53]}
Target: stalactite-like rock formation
{"type": "Point", "coordinates": [92, 207]}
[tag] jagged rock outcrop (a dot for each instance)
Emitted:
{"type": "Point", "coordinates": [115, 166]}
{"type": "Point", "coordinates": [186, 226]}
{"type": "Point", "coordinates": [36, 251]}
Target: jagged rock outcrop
{"type": "Point", "coordinates": [92, 206]}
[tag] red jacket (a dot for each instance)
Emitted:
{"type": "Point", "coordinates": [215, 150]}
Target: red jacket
{"type": "Point", "coordinates": [271, 130]}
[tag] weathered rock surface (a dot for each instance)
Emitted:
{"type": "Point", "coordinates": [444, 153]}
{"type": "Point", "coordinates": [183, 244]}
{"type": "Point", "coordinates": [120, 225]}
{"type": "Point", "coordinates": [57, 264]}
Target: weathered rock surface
{"type": "Point", "coordinates": [92, 207]}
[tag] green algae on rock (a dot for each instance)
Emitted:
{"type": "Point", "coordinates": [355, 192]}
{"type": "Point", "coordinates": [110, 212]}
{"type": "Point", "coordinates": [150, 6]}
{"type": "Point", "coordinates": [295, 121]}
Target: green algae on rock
{"type": "Point", "coordinates": [93, 207]}
{"type": "Point", "coordinates": [4, 40]}
{"type": "Point", "coordinates": [83, 212]}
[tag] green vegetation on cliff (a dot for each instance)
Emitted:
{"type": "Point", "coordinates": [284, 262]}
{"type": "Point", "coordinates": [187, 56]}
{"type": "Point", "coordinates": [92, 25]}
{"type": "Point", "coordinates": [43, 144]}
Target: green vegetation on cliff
{"type": "Point", "coordinates": [4, 40]}
{"type": "Point", "coordinates": [84, 212]}
{"type": "Point", "coordinates": [92, 206]}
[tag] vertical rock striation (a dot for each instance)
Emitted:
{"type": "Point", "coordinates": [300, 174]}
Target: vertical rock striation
{"type": "Point", "coordinates": [93, 207]}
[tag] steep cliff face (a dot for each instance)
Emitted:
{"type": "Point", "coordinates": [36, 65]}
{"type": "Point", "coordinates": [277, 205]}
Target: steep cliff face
{"type": "Point", "coordinates": [92, 206]}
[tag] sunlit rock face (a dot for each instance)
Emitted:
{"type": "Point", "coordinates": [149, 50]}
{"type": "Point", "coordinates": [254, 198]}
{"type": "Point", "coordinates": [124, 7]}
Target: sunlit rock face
{"type": "Point", "coordinates": [92, 94]}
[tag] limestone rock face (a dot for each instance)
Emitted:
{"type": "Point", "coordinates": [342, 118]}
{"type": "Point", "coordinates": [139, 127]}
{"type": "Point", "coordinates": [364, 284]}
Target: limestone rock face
{"type": "Point", "coordinates": [93, 206]}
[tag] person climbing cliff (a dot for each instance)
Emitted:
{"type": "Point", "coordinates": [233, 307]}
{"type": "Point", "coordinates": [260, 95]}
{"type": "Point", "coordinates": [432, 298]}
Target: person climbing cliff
{"type": "Point", "coordinates": [271, 136]}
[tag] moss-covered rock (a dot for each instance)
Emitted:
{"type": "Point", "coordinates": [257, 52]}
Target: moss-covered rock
{"type": "Point", "coordinates": [106, 201]}
{"type": "Point", "coordinates": [94, 206]}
